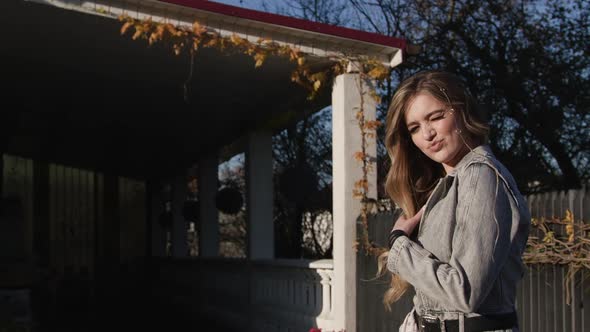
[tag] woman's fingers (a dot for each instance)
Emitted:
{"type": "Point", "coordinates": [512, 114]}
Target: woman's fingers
{"type": "Point", "coordinates": [409, 224]}
{"type": "Point", "coordinates": [406, 225]}
{"type": "Point", "coordinates": [420, 213]}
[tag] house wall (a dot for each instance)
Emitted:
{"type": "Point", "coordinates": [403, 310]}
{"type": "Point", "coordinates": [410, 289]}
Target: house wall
{"type": "Point", "coordinates": [76, 226]}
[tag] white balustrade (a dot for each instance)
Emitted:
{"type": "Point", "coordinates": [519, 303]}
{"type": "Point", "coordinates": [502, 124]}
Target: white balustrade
{"type": "Point", "coordinates": [266, 295]}
{"type": "Point", "coordinates": [291, 295]}
{"type": "Point", "coordinates": [326, 316]}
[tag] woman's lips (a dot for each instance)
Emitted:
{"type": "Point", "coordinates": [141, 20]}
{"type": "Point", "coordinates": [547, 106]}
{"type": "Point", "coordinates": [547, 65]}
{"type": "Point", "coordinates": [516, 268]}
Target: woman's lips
{"type": "Point", "coordinates": [436, 146]}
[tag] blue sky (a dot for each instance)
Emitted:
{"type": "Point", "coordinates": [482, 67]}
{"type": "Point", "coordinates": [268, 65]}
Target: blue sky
{"type": "Point", "coordinates": [252, 4]}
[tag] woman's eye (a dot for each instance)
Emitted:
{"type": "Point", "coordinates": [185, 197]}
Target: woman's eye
{"type": "Point", "coordinates": [437, 117]}
{"type": "Point", "coordinates": [413, 130]}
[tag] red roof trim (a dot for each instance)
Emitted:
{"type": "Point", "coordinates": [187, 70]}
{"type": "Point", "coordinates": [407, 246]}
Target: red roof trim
{"type": "Point", "coordinates": [291, 22]}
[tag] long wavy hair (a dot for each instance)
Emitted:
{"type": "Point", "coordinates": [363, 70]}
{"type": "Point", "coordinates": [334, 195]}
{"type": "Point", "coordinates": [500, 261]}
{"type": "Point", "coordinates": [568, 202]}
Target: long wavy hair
{"type": "Point", "coordinates": [413, 175]}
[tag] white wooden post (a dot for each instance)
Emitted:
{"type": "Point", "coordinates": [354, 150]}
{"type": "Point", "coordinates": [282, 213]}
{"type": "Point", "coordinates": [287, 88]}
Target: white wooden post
{"type": "Point", "coordinates": [179, 226]}
{"type": "Point", "coordinates": [208, 225]}
{"type": "Point", "coordinates": [346, 170]}
{"type": "Point", "coordinates": [259, 198]}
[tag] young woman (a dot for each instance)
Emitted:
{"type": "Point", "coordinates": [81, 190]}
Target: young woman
{"type": "Point", "coordinates": [464, 225]}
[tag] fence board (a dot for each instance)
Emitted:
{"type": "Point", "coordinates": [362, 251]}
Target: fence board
{"type": "Point", "coordinates": [548, 273]}
{"type": "Point", "coordinates": [526, 308]}
{"type": "Point", "coordinates": [533, 303]}
{"type": "Point", "coordinates": [519, 300]}
{"type": "Point", "coordinates": [585, 315]}
{"type": "Point", "coordinates": [535, 298]}
{"type": "Point", "coordinates": [547, 308]}
{"type": "Point", "coordinates": [585, 216]}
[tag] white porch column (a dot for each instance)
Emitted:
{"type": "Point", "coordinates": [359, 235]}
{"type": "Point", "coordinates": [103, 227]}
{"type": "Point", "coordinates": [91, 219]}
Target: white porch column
{"type": "Point", "coordinates": [346, 170]}
{"type": "Point", "coordinates": [259, 198]}
{"type": "Point", "coordinates": [179, 226]}
{"type": "Point", "coordinates": [208, 224]}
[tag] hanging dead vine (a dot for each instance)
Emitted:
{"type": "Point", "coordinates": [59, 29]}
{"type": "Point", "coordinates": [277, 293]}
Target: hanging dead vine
{"type": "Point", "coordinates": [368, 130]}
{"type": "Point", "coordinates": [199, 36]}
{"type": "Point", "coordinates": [549, 244]}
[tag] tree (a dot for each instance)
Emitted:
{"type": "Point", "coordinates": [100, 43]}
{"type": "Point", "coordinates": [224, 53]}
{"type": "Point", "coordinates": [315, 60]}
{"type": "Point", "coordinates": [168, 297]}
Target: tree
{"type": "Point", "coordinates": [324, 11]}
{"type": "Point", "coordinates": [526, 61]}
{"type": "Point", "coordinates": [303, 168]}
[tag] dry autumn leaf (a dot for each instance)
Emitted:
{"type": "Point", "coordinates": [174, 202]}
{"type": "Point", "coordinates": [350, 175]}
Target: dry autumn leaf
{"type": "Point", "coordinates": [198, 29]}
{"type": "Point", "coordinates": [569, 229]}
{"type": "Point", "coordinates": [137, 34]}
{"type": "Point", "coordinates": [263, 41]}
{"type": "Point", "coordinates": [357, 194]}
{"type": "Point", "coordinates": [569, 217]}
{"type": "Point", "coordinates": [372, 125]}
{"type": "Point", "coordinates": [213, 42]}
{"type": "Point", "coordinates": [359, 156]}
{"type": "Point", "coordinates": [260, 58]}
{"type": "Point", "coordinates": [126, 27]}
{"type": "Point", "coordinates": [549, 237]}
{"type": "Point", "coordinates": [379, 72]}
{"type": "Point", "coordinates": [317, 85]}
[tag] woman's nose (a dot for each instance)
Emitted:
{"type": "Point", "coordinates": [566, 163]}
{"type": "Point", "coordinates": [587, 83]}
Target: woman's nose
{"type": "Point", "coordinates": [428, 132]}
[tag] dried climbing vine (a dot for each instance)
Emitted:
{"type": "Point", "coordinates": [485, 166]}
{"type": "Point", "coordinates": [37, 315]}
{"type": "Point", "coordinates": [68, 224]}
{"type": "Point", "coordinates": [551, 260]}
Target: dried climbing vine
{"type": "Point", "coordinates": [547, 244]}
{"type": "Point", "coordinates": [185, 39]}
{"type": "Point", "coordinates": [368, 129]}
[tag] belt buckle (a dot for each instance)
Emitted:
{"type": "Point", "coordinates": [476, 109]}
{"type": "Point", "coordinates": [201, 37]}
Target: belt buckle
{"type": "Point", "coordinates": [428, 323]}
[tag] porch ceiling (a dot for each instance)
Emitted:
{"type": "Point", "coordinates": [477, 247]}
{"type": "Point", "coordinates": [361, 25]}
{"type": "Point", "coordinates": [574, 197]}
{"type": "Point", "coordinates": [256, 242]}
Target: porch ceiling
{"type": "Point", "coordinates": [77, 92]}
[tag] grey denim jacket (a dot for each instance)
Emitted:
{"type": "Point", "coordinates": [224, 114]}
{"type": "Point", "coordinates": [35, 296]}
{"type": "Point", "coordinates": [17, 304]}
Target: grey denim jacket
{"type": "Point", "coordinates": [467, 257]}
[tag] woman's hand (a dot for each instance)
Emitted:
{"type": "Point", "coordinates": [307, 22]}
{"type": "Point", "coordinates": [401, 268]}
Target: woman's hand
{"type": "Point", "coordinates": [409, 224]}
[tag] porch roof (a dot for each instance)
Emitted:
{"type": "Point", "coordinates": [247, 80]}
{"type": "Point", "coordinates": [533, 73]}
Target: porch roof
{"type": "Point", "coordinates": [83, 95]}
{"type": "Point", "coordinates": [311, 37]}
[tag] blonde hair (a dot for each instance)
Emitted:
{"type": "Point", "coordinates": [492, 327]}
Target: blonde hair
{"type": "Point", "coordinates": [413, 175]}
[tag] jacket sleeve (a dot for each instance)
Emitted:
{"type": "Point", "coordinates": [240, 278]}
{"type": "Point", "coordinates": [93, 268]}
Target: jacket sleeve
{"type": "Point", "coordinates": [481, 243]}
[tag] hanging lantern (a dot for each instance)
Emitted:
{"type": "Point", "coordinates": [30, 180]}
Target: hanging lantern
{"type": "Point", "coordinates": [229, 200]}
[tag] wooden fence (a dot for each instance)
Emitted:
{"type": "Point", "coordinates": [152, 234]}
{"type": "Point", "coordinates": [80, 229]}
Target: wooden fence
{"type": "Point", "coordinates": [541, 297]}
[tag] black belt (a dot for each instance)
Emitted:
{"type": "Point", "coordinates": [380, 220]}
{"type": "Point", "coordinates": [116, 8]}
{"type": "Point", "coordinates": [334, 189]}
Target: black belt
{"type": "Point", "coordinates": [428, 323]}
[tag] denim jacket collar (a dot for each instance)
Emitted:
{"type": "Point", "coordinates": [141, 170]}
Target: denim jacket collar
{"type": "Point", "coordinates": [483, 150]}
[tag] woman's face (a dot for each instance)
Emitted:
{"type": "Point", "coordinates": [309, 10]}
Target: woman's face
{"type": "Point", "coordinates": [434, 130]}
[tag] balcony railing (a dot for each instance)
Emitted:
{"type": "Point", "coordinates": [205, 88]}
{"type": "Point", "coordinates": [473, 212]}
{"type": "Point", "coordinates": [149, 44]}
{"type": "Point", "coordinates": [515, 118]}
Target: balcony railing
{"type": "Point", "coordinates": [273, 295]}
